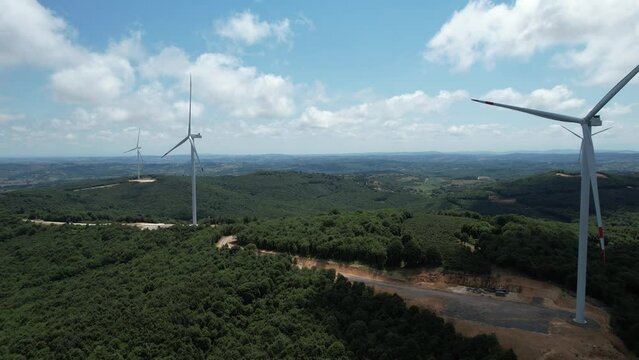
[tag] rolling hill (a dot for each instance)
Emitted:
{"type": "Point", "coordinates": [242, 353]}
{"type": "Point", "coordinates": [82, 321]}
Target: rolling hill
{"type": "Point", "coordinates": [265, 194]}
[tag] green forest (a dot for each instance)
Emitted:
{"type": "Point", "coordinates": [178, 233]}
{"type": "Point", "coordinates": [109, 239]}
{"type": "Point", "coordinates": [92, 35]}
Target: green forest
{"type": "Point", "coordinates": [79, 280]}
{"type": "Point", "coordinates": [113, 292]}
{"type": "Point", "coordinates": [542, 249]}
{"type": "Point", "coordinates": [382, 238]}
{"type": "Point", "coordinates": [546, 250]}
{"type": "Point", "coordinates": [220, 199]}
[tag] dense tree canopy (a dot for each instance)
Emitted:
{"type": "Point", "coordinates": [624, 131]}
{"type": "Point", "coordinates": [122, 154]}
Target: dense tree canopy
{"type": "Point", "coordinates": [379, 238]}
{"type": "Point", "coordinates": [548, 250]}
{"type": "Point", "coordinates": [109, 292]}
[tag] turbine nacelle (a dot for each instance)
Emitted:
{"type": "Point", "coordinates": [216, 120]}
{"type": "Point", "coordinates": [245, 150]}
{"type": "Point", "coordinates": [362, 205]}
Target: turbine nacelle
{"type": "Point", "coordinates": [596, 121]}
{"type": "Point", "coordinates": [196, 136]}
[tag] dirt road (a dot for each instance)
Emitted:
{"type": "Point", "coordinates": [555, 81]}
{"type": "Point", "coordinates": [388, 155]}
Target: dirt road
{"type": "Point", "coordinates": [140, 225]}
{"type": "Point", "coordinates": [535, 323]}
{"type": "Point", "coordinates": [488, 310]}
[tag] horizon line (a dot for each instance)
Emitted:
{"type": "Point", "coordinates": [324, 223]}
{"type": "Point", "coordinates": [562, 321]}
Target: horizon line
{"type": "Point", "coordinates": [471, 152]}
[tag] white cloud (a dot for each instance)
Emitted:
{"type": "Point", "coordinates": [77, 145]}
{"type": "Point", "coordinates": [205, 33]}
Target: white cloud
{"type": "Point", "coordinates": [150, 103]}
{"type": "Point", "coordinates": [274, 129]}
{"type": "Point", "coordinates": [19, 128]}
{"type": "Point", "coordinates": [376, 113]}
{"type": "Point", "coordinates": [171, 61]}
{"type": "Point", "coordinates": [305, 21]}
{"type": "Point", "coordinates": [31, 34]}
{"type": "Point", "coordinates": [224, 82]}
{"type": "Point", "coordinates": [246, 27]}
{"type": "Point", "coordinates": [474, 129]}
{"type": "Point", "coordinates": [9, 117]}
{"type": "Point", "coordinates": [616, 109]}
{"type": "Point", "coordinates": [130, 47]}
{"type": "Point", "coordinates": [106, 88]}
{"type": "Point", "coordinates": [99, 79]}
{"type": "Point", "coordinates": [598, 37]}
{"type": "Point", "coordinates": [557, 98]}
{"type": "Point", "coordinates": [401, 117]}
{"type": "Point", "coordinates": [241, 90]}
{"type": "Point", "coordinates": [323, 119]}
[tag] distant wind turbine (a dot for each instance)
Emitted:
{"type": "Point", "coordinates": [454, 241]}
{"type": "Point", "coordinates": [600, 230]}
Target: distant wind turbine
{"type": "Point", "coordinates": [138, 148]}
{"type": "Point", "coordinates": [588, 178]}
{"type": "Point", "coordinates": [191, 138]}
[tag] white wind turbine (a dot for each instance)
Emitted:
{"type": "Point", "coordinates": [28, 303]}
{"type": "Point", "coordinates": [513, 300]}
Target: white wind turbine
{"type": "Point", "coordinates": [138, 148]}
{"type": "Point", "coordinates": [191, 138]}
{"type": "Point", "coordinates": [588, 177]}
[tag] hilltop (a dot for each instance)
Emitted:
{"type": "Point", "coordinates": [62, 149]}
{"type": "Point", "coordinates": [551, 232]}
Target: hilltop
{"type": "Point", "coordinates": [263, 194]}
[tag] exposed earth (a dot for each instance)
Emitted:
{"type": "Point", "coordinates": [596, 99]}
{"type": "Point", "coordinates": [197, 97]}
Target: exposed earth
{"type": "Point", "coordinates": [140, 225]}
{"type": "Point", "coordinates": [534, 322]}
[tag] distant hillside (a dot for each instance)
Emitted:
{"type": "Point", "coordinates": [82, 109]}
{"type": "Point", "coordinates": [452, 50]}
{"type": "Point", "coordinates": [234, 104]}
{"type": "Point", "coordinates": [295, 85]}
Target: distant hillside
{"type": "Point", "coordinates": [553, 195]}
{"type": "Point", "coordinates": [265, 194]}
{"type": "Point", "coordinates": [27, 172]}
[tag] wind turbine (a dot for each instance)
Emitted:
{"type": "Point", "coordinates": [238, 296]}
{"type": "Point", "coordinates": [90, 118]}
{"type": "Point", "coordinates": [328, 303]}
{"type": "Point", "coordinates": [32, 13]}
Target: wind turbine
{"type": "Point", "coordinates": [138, 148]}
{"type": "Point", "coordinates": [588, 179]}
{"type": "Point", "coordinates": [191, 138]}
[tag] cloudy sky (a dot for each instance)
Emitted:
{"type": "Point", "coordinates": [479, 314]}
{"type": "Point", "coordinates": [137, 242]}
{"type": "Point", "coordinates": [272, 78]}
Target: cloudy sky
{"type": "Point", "coordinates": [80, 77]}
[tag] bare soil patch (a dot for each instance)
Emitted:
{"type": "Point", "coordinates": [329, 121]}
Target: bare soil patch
{"type": "Point", "coordinates": [501, 200]}
{"type": "Point", "coordinates": [140, 225]}
{"type": "Point", "coordinates": [98, 187]}
{"type": "Point", "coordinates": [561, 174]}
{"type": "Point", "coordinates": [226, 241]}
{"type": "Point", "coordinates": [149, 226]}
{"type": "Point", "coordinates": [143, 180]}
{"type": "Point", "coordinates": [533, 319]}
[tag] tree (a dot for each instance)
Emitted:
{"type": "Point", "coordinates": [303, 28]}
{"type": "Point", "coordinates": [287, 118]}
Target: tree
{"type": "Point", "coordinates": [433, 257]}
{"type": "Point", "coordinates": [394, 252]}
{"type": "Point", "coordinates": [413, 255]}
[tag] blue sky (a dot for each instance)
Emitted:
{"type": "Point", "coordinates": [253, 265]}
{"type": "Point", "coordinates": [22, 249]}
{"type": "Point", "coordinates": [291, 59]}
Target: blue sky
{"type": "Point", "coordinates": [79, 78]}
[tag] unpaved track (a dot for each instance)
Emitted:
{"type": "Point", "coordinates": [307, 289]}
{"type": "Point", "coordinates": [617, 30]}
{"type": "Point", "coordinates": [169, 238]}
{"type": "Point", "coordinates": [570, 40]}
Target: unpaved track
{"type": "Point", "coordinates": [488, 310]}
{"type": "Point", "coordinates": [533, 329]}
{"type": "Point", "coordinates": [140, 225]}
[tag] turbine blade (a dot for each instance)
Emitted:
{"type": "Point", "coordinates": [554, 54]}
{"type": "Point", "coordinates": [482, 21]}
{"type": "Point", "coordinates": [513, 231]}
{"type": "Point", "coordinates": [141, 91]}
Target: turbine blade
{"type": "Point", "coordinates": [190, 90]}
{"type": "Point", "coordinates": [140, 155]}
{"type": "Point", "coordinates": [611, 93]}
{"type": "Point", "coordinates": [135, 148]}
{"type": "Point", "coordinates": [173, 148]}
{"type": "Point", "coordinates": [544, 114]}
{"type": "Point", "coordinates": [196, 154]}
{"type": "Point", "coordinates": [574, 133]}
{"type": "Point", "coordinates": [600, 131]}
{"type": "Point", "coordinates": [589, 157]}
{"type": "Point", "coordinates": [138, 143]}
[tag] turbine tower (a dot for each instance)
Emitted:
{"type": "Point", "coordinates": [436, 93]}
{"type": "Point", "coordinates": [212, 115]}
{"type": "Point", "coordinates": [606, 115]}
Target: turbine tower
{"type": "Point", "coordinates": [588, 179]}
{"type": "Point", "coordinates": [191, 138]}
{"type": "Point", "coordinates": [138, 148]}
